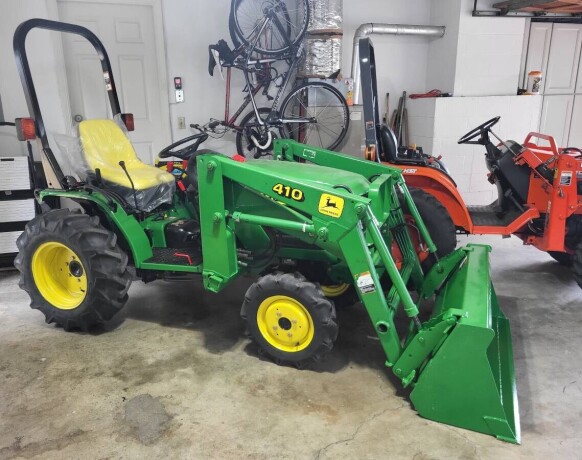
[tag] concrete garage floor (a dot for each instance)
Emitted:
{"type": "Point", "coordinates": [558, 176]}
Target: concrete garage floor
{"type": "Point", "coordinates": [174, 377]}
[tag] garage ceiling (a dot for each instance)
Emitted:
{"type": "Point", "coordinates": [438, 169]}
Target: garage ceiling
{"type": "Point", "coordinates": [541, 6]}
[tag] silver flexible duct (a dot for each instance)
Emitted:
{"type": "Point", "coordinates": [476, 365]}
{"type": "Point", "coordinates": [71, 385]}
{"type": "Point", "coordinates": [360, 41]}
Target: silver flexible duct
{"type": "Point", "coordinates": [385, 29]}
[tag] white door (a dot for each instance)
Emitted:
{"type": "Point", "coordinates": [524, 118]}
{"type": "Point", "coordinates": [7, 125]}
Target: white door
{"type": "Point", "coordinates": [538, 49]}
{"type": "Point", "coordinates": [129, 35]}
{"type": "Point", "coordinates": [579, 84]}
{"type": "Point", "coordinates": [564, 59]}
{"type": "Point", "coordinates": [556, 117]}
{"type": "Point", "coordinates": [576, 125]}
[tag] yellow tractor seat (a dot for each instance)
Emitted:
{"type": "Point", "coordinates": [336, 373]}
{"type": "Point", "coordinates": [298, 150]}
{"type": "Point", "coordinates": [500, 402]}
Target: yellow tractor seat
{"type": "Point", "coordinates": [105, 145]}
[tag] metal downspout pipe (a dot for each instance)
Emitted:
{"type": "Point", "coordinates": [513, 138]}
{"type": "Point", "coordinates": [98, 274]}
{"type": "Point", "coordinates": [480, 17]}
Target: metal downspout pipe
{"type": "Point", "coordinates": [385, 29]}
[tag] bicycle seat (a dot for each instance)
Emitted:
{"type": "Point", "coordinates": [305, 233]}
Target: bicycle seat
{"type": "Point", "coordinates": [225, 55]}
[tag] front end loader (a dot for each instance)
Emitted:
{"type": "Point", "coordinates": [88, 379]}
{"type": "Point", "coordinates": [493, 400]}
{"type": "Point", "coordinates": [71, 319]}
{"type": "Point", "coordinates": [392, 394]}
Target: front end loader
{"type": "Point", "coordinates": [230, 217]}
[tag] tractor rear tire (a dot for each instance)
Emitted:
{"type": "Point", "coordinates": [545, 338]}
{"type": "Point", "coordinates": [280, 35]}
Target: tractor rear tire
{"type": "Point", "coordinates": [563, 258]}
{"type": "Point", "coordinates": [438, 222]}
{"type": "Point", "coordinates": [577, 264]}
{"type": "Point", "coordinates": [342, 294]}
{"type": "Point", "coordinates": [290, 319]}
{"type": "Point", "coordinates": [72, 269]}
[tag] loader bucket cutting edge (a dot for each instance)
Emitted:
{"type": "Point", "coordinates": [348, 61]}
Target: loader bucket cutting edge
{"type": "Point", "coordinates": [469, 382]}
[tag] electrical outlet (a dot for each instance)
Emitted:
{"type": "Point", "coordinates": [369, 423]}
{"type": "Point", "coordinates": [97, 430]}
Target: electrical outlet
{"type": "Point", "coordinates": [181, 122]}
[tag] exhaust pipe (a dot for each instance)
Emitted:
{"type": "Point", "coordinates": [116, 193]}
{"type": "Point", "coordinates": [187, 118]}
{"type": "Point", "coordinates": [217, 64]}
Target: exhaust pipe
{"type": "Point", "coordinates": [386, 29]}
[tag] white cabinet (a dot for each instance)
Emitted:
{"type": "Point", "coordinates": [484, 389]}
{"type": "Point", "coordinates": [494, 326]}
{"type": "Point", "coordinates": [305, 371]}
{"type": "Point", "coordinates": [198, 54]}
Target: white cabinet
{"type": "Point", "coordinates": [540, 37]}
{"type": "Point", "coordinates": [556, 117]}
{"type": "Point", "coordinates": [556, 49]}
{"type": "Point", "coordinates": [16, 204]}
{"type": "Point", "coordinates": [564, 59]}
{"type": "Point", "coordinates": [576, 124]}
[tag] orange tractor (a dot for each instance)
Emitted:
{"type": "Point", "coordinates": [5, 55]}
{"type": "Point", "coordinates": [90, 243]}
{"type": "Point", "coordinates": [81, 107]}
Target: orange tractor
{"type": "Point", "coordinates": [539, 187]}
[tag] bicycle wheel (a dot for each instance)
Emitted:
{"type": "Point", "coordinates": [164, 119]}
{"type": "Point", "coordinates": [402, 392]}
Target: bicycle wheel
{"type": "Point", "coordinates": [232, 28]}
{"type": "Point", "coordinates": [271, 26]}
{"type": "Point", "coordinates": [249, 127]}
{"type": "Point", "coordinates": [321, 112]}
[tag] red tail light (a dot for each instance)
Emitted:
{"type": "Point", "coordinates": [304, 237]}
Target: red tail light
{"type": "Point", "coordinates": [25, 129]}
{"type": "Point", "coordinates": [239, 158]}
{"type": "Point", "coordinates": [128, 120]}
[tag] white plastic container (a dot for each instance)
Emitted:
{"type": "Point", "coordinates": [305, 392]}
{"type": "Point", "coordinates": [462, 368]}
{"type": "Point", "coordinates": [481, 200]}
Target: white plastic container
{"type": "Point", "coordinates": [534, 82]}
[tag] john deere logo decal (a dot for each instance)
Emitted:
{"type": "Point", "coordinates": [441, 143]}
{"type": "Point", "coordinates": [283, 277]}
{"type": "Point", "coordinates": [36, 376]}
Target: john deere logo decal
{"type": "Point", "coordinates": [331, 205]}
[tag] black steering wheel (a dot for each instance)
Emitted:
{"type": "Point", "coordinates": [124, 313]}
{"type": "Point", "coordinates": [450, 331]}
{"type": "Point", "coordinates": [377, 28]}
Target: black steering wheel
{"type": "Point", "coordinates": [478, 131]}
{"type": "Point", "coordinates": [186, 152]}
{"type": "Point", "coordinates": [573, 150]}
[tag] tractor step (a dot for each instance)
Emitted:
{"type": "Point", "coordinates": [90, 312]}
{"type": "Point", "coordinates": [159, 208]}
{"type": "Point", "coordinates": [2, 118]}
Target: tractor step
{"type": "Point", "coordinates": [490, 216]}
{"type": "Point", "coordinates": [172, 256]}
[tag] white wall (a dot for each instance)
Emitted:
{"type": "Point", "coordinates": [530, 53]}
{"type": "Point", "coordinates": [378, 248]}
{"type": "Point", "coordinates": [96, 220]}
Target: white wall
{"type": "Point", "coordinates": [441, 122]}
{"type": "Point", "coordinates": [479, 56]}
{"type": "Point", "coordinates": [42, 48]}
{"type": "Point", "coordinates": [190, 26]}
{"type": "Point", "coordinates": [479, 61]}
{"type": "Point", "coordinates": [489, 53]}
{"type": "Point", "coordinates": [442, 53]}
{"type": "Point", "coordinates": [401, 61]}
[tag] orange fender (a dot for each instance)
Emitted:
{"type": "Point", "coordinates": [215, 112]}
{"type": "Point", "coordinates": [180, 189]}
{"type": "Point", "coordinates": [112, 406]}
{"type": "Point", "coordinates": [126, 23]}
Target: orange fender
{"type": "Point", "coordinates": [442, 188]}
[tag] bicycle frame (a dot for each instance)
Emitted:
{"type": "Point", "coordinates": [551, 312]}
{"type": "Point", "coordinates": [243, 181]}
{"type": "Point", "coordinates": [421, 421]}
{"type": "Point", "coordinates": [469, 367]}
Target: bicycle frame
{"type": "Point", "coordinates": [229, 121]}
{"type": "Point", "coordinates": [273, 115]}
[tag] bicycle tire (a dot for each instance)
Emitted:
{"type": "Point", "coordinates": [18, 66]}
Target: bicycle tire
{"type": "Point", "coordinates": [242, 143]}
{"type": "Point", "coordinates": [248, 12]}
{"type": "Point", "coordinates": [336, 135]}
{"type": "Point", "coordinates": [232, 28]}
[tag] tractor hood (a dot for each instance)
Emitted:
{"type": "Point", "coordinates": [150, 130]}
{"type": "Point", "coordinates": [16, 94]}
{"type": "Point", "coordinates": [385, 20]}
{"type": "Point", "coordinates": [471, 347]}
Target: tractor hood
{"type": "Point", "coordinates": [320, 175]}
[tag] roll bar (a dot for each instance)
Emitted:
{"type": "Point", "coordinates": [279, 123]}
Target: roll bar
{"type": "Point", "coordinates": [19, 45]}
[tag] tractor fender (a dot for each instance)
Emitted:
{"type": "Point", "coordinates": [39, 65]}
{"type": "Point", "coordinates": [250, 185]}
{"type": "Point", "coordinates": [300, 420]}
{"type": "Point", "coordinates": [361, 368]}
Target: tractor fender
{"type": "Point", "coordinates": [440, 186]}
{"type": "Point", "coordinates": [125, 226]}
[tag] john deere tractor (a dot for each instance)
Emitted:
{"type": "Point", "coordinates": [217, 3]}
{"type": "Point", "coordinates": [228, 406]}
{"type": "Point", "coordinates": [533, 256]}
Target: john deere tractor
{"type": "Point", "coordinates": [229, 217]}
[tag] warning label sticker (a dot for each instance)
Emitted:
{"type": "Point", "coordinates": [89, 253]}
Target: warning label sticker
{"type": "Point", "coordinates": [365, 283]}
{"type": "Point", "coordinates": [566, 178]}
{"type": "Point", "coordinates": [331, 205]}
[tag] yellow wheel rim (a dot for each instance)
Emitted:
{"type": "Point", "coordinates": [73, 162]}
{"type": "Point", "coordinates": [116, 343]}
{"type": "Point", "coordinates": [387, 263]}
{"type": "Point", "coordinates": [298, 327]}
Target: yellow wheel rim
{"type": "Point", "coordinates": [285, 323]}
{"type": "Point", "coordinates": [59, 275]}
{"type": "Point", "coordinates": [335, 290]}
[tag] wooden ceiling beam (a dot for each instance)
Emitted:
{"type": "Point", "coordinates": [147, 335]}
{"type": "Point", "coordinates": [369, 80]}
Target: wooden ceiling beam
{"type": "Point", "coordinates": [533, 6]}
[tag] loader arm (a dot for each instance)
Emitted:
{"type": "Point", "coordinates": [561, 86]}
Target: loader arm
{"type": "Point", "coordinates": [288, 150]}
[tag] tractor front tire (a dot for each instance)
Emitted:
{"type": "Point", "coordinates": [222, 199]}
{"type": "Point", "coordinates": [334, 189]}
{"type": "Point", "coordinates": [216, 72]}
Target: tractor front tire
{"type": "Point", "coordinates": [72, 269]}
{"type": "Point", "coordinates": [290, 319]}
{"type": "Point", "coordinates": [438, 222]}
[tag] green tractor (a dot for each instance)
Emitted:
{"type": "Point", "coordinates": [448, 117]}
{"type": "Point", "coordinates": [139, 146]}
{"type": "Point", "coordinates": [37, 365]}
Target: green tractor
{"type": "Point", "coordinates": [311, 211]}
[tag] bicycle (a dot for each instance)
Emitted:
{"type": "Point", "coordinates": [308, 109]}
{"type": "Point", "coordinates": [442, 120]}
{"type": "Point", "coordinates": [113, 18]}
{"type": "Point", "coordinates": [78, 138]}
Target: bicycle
{"type": "Point", "coordinates": [313, 112]}
{"type": "Point", "coordinates": [271, 26]}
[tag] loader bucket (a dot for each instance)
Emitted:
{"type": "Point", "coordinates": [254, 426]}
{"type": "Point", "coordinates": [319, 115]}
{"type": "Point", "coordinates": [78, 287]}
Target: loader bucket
{"type": "Point", "coordinates": [469, 382]}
